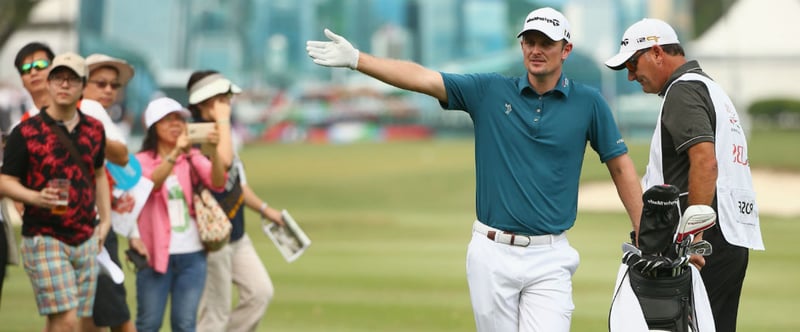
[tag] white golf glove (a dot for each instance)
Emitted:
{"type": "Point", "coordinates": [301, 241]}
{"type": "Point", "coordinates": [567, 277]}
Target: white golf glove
{"type": "Point", "coordinates": [335, 53]}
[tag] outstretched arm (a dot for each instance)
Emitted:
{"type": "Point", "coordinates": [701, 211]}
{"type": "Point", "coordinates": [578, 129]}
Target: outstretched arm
{"type": "Point", "coordinates": [338, 52]}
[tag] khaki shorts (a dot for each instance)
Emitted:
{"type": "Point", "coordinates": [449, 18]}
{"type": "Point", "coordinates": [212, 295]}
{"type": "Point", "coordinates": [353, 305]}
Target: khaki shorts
{"type": "Point", "coordinates": [63, 277]}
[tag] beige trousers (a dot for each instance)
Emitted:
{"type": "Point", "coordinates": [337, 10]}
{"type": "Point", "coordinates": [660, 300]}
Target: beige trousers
{"type": "Point", "coordinates": [237, 263]}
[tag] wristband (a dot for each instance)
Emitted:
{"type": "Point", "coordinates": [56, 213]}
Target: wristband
{"type": "Point", "coordinates": [171, 160]}
{"type": "Point", "coordinates": [263, 208]}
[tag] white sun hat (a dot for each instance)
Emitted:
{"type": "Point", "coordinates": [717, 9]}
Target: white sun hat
{"type": "Point", "coordinates": [161, 107]}
{"type": "Point", "coordinates": [211, 86]}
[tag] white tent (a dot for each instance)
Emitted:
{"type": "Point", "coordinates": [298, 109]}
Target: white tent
{"type": "Point", "coordinates": [751, 51]}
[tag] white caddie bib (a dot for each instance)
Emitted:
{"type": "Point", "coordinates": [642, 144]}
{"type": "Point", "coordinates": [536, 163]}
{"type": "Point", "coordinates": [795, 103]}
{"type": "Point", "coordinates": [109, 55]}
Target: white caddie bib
{"type": "Point", "coordinates": [737, 211]}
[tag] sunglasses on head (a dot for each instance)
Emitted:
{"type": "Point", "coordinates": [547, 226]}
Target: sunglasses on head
{"type": "Point", "coordinates": [104, 84]}
{"type": "Point", "coordinates": [38, 64]}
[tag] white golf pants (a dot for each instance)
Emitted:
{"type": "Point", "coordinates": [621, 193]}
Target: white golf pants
{"type": "Point", "coordinates": [515, 288]}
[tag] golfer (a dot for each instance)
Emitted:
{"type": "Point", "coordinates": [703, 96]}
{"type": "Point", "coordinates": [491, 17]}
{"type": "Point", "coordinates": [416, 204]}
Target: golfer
{"type": "Point", "coordinates": [531, 133]}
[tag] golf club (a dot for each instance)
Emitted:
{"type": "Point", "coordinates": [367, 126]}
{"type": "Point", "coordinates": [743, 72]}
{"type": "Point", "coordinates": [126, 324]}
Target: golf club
{"type": "Point", "coordinates": [702, 248]}
{"type": "Point", "coordinates": [695, 219]}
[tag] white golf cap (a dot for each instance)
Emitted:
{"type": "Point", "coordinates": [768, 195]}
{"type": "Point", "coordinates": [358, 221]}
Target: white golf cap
{"type": "Point", "coordinates": [211, 86]}
{"type": "Point", "coordinates": [641, 35]}
{"type": "Point", "coordinates": [125, 71]}
{"type": "Point", "coordinates": [549, 21]}
{"type": "Point", "coordinates": [161, 107]}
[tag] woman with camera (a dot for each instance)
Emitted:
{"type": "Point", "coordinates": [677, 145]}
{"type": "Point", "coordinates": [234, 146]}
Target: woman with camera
{"type": "Point", "coordinates": [167, 228]}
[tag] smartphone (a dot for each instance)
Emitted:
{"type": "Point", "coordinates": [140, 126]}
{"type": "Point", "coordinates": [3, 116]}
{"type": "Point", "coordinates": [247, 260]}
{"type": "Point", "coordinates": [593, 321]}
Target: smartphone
{"type": "Point", "coordinates": [198, 132]}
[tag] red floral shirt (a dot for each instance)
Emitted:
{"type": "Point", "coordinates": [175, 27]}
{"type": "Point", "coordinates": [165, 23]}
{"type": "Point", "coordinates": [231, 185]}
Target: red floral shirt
{"type": "Point", "coordinates": [34, 154]}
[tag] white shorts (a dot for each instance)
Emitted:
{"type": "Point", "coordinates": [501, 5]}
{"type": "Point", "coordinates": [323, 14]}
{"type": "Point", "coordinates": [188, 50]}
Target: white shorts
{"type": "Point", "coordinates": [516, 288]}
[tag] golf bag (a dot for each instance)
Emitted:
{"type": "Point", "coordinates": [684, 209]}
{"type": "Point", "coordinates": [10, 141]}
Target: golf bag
{"type": "Point", "coordinates": [656, 288]}
{"type": "Point", "coordinates": [665, 301]}
{"type": "Point", "coordinates": [627, 313]}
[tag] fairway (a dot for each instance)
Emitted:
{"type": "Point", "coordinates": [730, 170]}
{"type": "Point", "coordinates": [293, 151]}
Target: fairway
{"type": "Point", "coordinates": [390, 225]}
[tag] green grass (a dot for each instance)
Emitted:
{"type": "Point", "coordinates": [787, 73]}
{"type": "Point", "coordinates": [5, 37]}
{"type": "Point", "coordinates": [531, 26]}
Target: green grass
{"type": "Point", "coordinates": [390, 225]}
{"type": "Point", "coordinates": [775, 149]}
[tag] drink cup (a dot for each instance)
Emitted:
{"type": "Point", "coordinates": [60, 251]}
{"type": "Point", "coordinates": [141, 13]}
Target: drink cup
{"type": "Point", "coordinates": [63, 195]}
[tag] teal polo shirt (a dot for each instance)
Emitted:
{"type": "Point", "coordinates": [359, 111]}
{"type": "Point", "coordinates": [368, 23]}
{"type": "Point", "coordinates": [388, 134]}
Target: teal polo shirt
{"type": "Point", "coordinates": [529, 148]}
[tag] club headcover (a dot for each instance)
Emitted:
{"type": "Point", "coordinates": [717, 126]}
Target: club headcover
{"type": "Point", "coordinates": [660, 217]}
{"type": "Point", "coordinates": [696, 219]}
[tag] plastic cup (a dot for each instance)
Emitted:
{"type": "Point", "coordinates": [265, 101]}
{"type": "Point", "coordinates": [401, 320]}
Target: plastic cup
{"type": "Point", "coordinates": [63, 195]}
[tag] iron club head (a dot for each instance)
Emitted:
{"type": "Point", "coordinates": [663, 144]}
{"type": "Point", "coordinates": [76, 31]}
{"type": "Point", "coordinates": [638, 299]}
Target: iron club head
{"type": "Point", "coordinates": [702, 248]}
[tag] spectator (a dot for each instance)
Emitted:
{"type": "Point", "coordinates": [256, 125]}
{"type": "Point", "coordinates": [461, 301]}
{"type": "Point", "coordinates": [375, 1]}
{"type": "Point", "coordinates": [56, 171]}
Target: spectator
{"type": "Point", "coordinates": [107, 76]}
{"type": "Point", "coordinates": [33, 64]}
{"type": "Point", "coordinates": [167, 232]}
{"type": "Point", "coordinates": [237, 263]}
{"type": "Point", "coordinates": [59, 247]}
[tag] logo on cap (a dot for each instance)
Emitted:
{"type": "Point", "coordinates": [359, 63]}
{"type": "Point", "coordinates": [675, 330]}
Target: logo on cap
{"type": "Point", "coordinates": [640, 40]}
{"type": "Point", "coordinates": [552, 21]}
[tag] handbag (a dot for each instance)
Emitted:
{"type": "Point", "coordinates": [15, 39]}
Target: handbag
{"type": "Point", "coordinates": [139, 261]}
{"type": "Point", "coordinates": [212, 222]}
{"type": "Point", "coordinates": [11, 217]}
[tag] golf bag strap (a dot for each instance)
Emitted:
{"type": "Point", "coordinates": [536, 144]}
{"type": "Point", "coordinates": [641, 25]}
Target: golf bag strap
{"type": "Point", "coordinates": [67, 143]}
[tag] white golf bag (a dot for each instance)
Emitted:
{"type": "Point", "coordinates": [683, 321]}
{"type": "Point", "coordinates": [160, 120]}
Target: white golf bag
{"type": "Point", "coordinates": [656, 288]}
{"type": "Point", "coordinates": [627, 315]}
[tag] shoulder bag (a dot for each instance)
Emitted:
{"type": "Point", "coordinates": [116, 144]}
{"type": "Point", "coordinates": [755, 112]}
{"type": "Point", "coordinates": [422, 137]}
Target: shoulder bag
{"type": "Point", "coordinates": [73, 151]}
{"type": "Point", "coordinates": [212, 222]}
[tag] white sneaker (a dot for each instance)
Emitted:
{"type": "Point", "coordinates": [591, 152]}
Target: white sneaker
{"type": "Point", "coordinates": [108, 267]}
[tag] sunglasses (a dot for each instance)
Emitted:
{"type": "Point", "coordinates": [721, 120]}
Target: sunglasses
{"type": "Point", "coordinates": [633, 62]}
{"type": "Point", "coordinates": [104, 84]}
{"type": "Point", "coordinates": [38, 65]}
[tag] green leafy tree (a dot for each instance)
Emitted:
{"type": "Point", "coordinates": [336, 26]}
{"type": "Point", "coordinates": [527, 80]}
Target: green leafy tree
{"type": "Point", "coordinates": [14, 14]}
{"type": "Point", "coordinates": [708, 12]}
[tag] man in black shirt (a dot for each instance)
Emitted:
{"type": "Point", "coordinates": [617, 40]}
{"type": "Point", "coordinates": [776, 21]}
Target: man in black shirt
{"type": "Point", "coordinates": [700, 147]}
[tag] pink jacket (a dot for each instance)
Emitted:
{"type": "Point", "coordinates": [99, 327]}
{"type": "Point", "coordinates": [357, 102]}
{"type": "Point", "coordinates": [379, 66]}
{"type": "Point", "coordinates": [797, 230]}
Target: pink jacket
{"type": "Point", "coordinates": [154, 223]}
